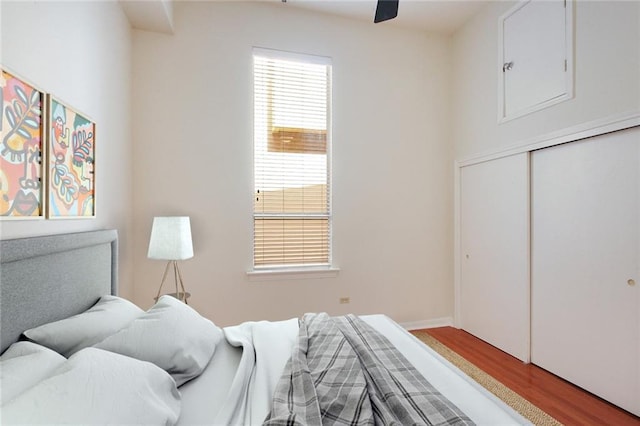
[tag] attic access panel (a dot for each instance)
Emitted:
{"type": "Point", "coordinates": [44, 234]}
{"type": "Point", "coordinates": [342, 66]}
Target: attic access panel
{"type": "Point", "coordinates": [536, 57]}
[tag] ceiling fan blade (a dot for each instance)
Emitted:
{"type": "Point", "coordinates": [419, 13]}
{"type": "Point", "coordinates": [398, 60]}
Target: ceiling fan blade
{"type": "Point", "coordinates": [385, 10]}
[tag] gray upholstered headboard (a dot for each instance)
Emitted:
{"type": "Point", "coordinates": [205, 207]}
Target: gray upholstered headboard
{"type": "Point", "coordinates": [48, 278]}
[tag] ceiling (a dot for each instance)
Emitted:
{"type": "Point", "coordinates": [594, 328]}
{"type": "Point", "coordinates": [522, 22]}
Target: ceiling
{"type": "Point", "coordinates": [442, 16]}
{"type": "Point", "coordinates": [149, 15]}
{"type": "Point", "coordinates": [438, 16]}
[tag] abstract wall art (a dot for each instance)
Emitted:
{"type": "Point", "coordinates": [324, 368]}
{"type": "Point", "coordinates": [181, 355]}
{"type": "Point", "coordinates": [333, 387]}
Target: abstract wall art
{"type": "Point", "coordinates": [71, 157]}
{"type": "Point", "coordinates": [21, 143]}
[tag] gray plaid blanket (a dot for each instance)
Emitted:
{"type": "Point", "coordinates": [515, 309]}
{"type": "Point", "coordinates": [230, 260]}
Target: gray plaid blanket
{"type": "Point", "coordinates": [342, 371]}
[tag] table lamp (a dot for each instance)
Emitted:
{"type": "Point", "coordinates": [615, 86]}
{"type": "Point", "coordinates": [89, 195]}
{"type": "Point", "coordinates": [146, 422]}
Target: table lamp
{"type": "Point", "coordinates": [171, 241]}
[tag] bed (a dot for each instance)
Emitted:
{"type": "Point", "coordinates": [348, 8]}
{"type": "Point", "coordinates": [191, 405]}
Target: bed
{"type": "Point", "coordinates": [56, 279]}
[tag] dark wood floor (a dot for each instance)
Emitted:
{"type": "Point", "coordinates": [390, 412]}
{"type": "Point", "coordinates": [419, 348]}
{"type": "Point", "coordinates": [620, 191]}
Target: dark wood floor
{"type": "Point", "coordinates": [565, 402]}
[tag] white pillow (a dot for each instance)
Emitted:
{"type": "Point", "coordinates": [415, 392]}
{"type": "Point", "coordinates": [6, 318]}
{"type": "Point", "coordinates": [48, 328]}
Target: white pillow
{"type": "Point", "coordinates": [96, 387]}
{"type": "Point", "coordinates": [23, 365]}
{"type": "Point", "coordinates": [171, 335]}
{"type": "Point", "coordinates": [109, 315]}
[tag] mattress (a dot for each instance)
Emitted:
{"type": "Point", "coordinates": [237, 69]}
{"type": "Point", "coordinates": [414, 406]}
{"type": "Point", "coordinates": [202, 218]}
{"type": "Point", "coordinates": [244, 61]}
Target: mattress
{"type": "Point", "coordinates": [203, 397]}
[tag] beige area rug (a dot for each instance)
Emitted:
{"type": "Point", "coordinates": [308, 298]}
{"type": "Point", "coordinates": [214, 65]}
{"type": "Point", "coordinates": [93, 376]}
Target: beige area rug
{"type": "Point", "coordinates": [515, 401]}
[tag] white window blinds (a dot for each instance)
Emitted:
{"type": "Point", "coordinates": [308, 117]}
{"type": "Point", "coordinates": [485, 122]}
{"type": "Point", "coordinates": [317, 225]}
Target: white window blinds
{"type": "Point", "coordinates": [292, 211]}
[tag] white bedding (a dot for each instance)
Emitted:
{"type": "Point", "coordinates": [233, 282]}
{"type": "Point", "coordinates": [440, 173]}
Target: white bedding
{"type": "Point", "coordinates": [267, 347]}
{"type": "Point", "coordinates": [95, 387]}
{"type": "Point", "coordinates": [235, 388]}
{"type": "Point", "coordinates": [202, 398]}
{"type": "Point", "coordinates": [23, 365]}
{"type": "Point", "coordinates": [171, 335]}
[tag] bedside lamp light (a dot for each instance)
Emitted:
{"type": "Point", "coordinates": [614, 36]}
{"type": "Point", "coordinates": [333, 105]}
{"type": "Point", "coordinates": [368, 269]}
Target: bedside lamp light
{"type": "Point", "coordinates": [171, 241]}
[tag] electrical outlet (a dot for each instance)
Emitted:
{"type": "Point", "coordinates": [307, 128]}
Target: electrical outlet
{"type": "Point", "coordinates": [344, 300]}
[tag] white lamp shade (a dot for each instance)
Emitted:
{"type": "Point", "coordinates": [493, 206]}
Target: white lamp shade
{"type": "Point", "coordinates": [170, 238]}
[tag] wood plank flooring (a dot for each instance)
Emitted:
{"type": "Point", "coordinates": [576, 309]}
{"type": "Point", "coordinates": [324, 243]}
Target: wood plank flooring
{"type": "Point", "coordinates": [567, 403]}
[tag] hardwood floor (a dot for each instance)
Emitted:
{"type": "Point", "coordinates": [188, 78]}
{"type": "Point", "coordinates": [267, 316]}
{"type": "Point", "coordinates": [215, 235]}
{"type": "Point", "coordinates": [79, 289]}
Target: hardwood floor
{"type": "Point", "coordinates": [567, 403]}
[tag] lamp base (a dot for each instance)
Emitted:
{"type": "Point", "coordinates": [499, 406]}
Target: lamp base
{"type": "Point", "coordinates": [180, 295]}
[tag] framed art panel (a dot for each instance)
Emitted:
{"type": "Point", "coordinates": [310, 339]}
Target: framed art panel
{"type": "Point", "coordinates": [21, 148]}
{"type": "Point", "coordinates": [70, 162]}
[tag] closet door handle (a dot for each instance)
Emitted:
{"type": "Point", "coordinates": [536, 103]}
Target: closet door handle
{"type": "Point", "coordinates": [631, 282]}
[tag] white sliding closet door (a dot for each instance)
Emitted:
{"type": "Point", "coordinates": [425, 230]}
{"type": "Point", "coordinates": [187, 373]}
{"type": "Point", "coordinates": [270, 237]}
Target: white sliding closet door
{"type": "Point", "coordinates": [494, 252]}
{"type": "Point", "coordinates": [585, 317]}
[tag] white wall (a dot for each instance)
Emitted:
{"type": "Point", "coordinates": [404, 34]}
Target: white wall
{"type": "Point", "coordinates": [190, 96]}
{"type": "Point", "coordinates": [81, 53]}
{"type": "Point", "coordinates": [392, 161]}
{"type": "Point", "coordinates": [607, 76]}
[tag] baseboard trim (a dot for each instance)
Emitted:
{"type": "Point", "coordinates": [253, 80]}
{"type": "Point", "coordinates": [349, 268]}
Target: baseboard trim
{"type": "Point", "coordinates": [432, 323]}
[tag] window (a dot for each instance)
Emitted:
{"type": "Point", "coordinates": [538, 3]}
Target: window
{"type": "Point", "coordinates": [292, 208]}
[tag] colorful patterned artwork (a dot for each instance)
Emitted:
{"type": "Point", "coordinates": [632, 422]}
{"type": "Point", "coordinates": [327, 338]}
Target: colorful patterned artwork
{"type": "Point", "coordinates": [21, 130]}
{"type": "Point", "coordinates": [71, 178]}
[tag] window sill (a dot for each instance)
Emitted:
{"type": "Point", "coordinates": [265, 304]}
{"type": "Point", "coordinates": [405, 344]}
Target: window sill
{"type": "Point", "coordinates": [292, 274]}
